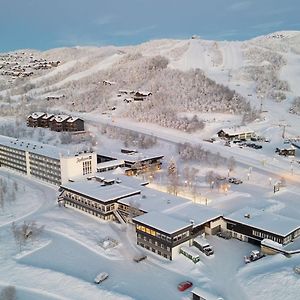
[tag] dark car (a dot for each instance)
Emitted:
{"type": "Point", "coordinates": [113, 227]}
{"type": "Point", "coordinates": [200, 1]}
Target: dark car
{"type": "Point", "coordinates": [234, 180]}
{"type": "Point", "coordinates": [139, 258]}
{"type": "Point", "coordinates": [224, 235]}
{"type": "Point", "coordinates": [182, 286]}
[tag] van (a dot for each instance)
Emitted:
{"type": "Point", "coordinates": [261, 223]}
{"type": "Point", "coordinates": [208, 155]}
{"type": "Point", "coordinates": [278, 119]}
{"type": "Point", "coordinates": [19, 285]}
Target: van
{"type": "Point", "coordinates": [203, 245]}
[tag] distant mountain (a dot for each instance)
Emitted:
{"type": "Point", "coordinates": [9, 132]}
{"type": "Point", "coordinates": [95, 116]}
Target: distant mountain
{"type": "Point", "coordinates": [185, 78]}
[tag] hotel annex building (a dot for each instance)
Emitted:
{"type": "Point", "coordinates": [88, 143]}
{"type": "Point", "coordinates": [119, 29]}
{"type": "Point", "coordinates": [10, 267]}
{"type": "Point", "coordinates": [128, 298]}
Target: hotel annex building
{"type": "Point", "coordinates": [44, 162]}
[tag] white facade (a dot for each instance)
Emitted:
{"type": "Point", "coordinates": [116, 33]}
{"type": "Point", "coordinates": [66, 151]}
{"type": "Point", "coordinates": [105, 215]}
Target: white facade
{"type": "Point", "coordinates": [78, 166]}
{"type": "Point", "coordinates": [45, 162]}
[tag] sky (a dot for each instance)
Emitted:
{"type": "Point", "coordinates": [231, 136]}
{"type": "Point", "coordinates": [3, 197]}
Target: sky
{"type": "Point", "coordinates": [41, 24]}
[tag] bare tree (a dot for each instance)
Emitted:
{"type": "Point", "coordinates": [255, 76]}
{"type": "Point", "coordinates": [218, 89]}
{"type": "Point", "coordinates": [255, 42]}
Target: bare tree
{"type": "Point", "coordinates": [8, 293]}
{"type": "Point", "coordinates": [231, 164]}
{"type": "Point", "coordinates": [173, 177]}
{"type": "Point", "coordinates": [28, 231]}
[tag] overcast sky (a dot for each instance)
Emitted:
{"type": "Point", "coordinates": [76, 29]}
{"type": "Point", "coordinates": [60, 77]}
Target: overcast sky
{"type": "Point", "coordinates": [42, 24]}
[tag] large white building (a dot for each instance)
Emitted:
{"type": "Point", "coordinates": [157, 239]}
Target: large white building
{"type": "Point", "coordinates": [44, 162]}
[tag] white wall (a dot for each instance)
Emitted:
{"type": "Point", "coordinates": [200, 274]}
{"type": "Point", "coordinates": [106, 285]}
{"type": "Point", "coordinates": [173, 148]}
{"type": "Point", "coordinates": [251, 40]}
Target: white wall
{"type": "Point", "coordinates": [72, 166]}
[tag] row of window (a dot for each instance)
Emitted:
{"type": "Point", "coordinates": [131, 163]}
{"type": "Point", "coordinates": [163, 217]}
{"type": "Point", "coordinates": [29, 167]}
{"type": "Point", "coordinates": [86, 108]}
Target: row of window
{"type": "Point", "coordinates": [181, 236]}
{"type": "Point", "coordinates": [155, 250]}
{"type": "Point", "coordinates": [14, 166]}
{"type": "Point", "coordinates": [154, 242]}
{"type": "Point", "coordinates": [266, 236]}
{"type": "Point", "coordinates": [12, 150]}
{"type": "Point", "coordinates": [87, 167]}
{"type": "Point", "coordinates": [10, 161]}
{"type": "Point", "coordinates": [51, 179]}
{"type": "Point", "coordinates": [4, 155]}
{"type": "Point", "coordinates": [88, 202]}
{"type": "Point", "coordinates": [44, 159]}
{"type": "Point", "coordinates": [104, 217]}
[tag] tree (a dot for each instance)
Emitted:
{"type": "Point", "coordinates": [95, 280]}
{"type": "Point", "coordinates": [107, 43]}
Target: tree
{"type": "Point", "coordinates": [29, 230]}
{"type": "Point", "coordinates": [8, 293]}
{"type": "Point", "coordinates": [173, 177]}
{"type": "Point", "coordinates": [231, 164]}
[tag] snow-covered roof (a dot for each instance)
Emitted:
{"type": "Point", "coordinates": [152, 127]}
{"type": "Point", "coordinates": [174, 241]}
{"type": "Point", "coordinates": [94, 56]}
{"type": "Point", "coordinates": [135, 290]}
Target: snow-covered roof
{"type": "Point", "coordinates": [61, 118]}
{"type": "Point", "coordinates": [143, 93]}
{"type": "Point", "coordinates": [33, 147]}
{"type": "Point", "coordinates": [130, 181]}
{"type": "Point", "coordinates": [237, 130]}
{"type": "Point", "coordinates": [111, 163]}
{"type": "Point", "coordinates": [198, 213]}
{"type": "Point", "coordinates": [266, 221]}
{"type": "Point", "coordinates": [162, 222]}
{"type": "Point", "coordinates": [100, 192]}
{"type": "Point", "coordinates": [36, 115]}
{"type": "Point", "coordinates": [73, 119]}
{"type": "Point", "coordinates": [154, 200]}
{"type": "Point", "coordinates": [47, 116]}
{"type": "Point", "coordinates": [131, 157]}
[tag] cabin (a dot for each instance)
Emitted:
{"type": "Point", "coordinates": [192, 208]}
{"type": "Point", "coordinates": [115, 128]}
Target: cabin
{"type": "Point", "coordinates": [141, 96]}
{"type": "Point", "coordinates": [59, 122]}
{"type": "Point", "coordinates": [290, 151]}
{"type": "Point", "coordinates": [34, 120]}
{"type": "Point", "coordinates": [241, 133]}
{"type": "Point", "coordinates": [45, 121]}
{"type": "Point", "coordinates": [107, 82]}
{"type": "Point", "coordinates": [74, 124]}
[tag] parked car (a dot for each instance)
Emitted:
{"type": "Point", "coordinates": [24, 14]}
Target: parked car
{"type": "Point", "coordinates": [100, 277]}
{"type": "Point", "coordinates": [254, 255]}
{"type": "Point", "coordinates": [224, 235]}
{"type": "Point", "coordinates": [139, 258]}
{"type": "Point", "coordinates": [234, 180]}
{"type": "Point", "coordinates": [182, 286]}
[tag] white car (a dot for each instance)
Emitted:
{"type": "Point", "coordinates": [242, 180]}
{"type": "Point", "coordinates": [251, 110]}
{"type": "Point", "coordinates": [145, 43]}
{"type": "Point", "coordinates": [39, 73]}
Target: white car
{"type": "Point", "coordinates": [101, 277]}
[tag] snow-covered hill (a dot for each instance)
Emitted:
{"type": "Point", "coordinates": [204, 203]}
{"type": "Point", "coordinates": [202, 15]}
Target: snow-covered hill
{"type": "Point", "coordinates": [236, 78]}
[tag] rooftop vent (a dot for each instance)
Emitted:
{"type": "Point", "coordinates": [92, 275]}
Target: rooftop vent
{"type": "Point", "coordinates": [247, 216]}
{"type": "Point", "coordinates": [192, 222]}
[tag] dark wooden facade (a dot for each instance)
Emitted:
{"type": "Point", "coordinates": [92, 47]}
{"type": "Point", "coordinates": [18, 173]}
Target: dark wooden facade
{"type": "Point", "coordinates": [255, 235]}
{"type": "Point", "coordinates": [55, 122]}
{"type": "Point", "coordinates": [45, 121]}
{"type": "Point", "coordinates": [161, 242]}
{"type": "Point", "coordinates": [34, 120]}
{"type": "Point", "coordinates": [58, 123]}
{"type": "Point", "coordinates": [76, 124]}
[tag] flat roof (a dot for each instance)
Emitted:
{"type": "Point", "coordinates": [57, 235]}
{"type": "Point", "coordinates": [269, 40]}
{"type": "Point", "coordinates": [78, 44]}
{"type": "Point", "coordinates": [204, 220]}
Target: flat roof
{"type": "Point", "coordinates": [131, 157]}
{"type": "Point", "coordinates": [100, 192]}
{"type": "Point", "coordinates": [111, 163]}
{"type": "Point", "coordinates": [162, 222]}
{"type": "Point", "coordinates": [198, 213]}
{"type": "Point", "coordinates": [33, 147]}
{"type": "Point", "coordinates": [265, 221]}
{"type": "Point", "coordinates": [154, 200]}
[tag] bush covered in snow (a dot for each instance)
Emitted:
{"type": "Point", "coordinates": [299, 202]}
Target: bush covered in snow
{"type": "Point", "coordinates": [197, 153]}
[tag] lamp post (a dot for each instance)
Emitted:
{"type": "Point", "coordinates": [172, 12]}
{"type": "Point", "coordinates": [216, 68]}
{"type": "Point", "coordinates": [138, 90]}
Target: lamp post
{"type": "Point", "coordinates": [248, 176]}
{"type": "Point", "coordinates": [270, 180]}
